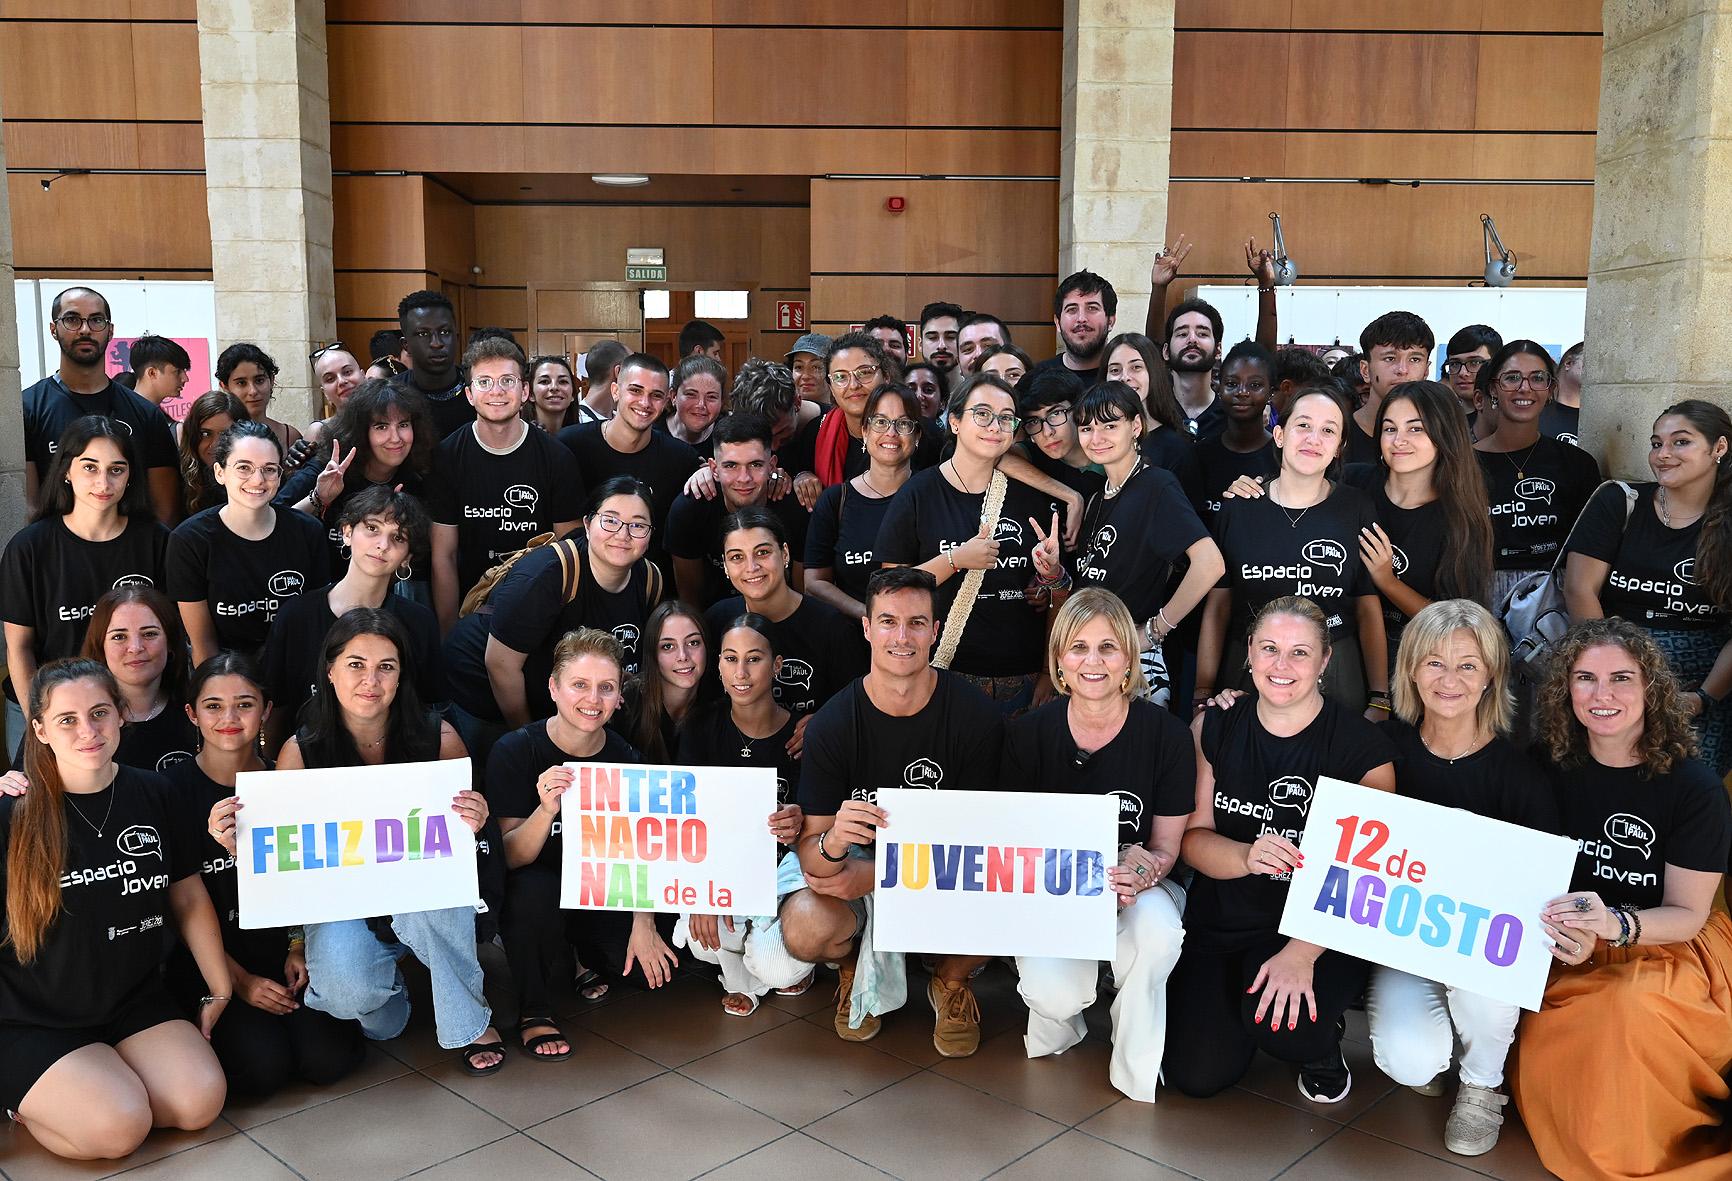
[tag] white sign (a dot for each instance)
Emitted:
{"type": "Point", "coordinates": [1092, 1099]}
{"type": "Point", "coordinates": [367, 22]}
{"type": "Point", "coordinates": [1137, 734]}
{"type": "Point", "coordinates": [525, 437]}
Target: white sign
{"type": "Point", "coordinates": [319, 846]}
{"type": "Point", "coordinates": [1439, 893]}
{"type": "Point", "coordinates": [996, 873]}
{"type": "Point", "coordinates": [678, 839]}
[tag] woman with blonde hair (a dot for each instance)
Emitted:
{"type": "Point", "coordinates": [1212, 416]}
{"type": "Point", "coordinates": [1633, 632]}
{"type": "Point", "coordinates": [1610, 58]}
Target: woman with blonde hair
{"type": "Point", "coordinates": [1622, 1072]}
{"type": "Point", "coordinates": [1102, 737]}
{"type": "Point", "coordinates": [1453, 711]}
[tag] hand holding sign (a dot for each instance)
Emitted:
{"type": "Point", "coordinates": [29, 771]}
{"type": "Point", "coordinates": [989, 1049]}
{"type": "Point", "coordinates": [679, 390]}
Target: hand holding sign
{"type": "Point", "coordinates": [856, 823]}
{"type": "Point", "coordinates": [1274, 854]}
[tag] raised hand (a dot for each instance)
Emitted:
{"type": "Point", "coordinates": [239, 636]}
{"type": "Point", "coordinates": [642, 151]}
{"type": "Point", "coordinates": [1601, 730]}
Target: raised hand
{"type": "Point", "coordinates": [1168, 260]}
{"type": "Point", "coordinates": [1045, 553]}
{"type": "Point", "coordinates": [1261, 263]}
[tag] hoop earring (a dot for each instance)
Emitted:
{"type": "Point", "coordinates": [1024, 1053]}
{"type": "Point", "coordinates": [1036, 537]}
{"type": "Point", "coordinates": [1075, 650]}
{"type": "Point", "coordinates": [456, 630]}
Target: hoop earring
{"type": "Point", "coordinates": [405, 572]}
{"type": "Point", "coordinates": [344, 552]}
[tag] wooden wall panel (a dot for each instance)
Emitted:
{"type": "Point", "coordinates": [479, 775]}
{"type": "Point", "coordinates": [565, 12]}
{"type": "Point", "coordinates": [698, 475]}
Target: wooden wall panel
{"type": "Point", "coordinates": [165, 71]}
{"type": "Point", "coordinates": [108, 222]}
{"type": "Point", "coordinates": [1471, 16]}
{"type": "Point", "coordinates": [98, 56]}
{"type": "Point", "coordinates": [893, 14]}
{"type": "Point", "coordinates": [508, 307]}
{"type": "Point", "coordinates": [379, 223]}
{"type": "Point", "coordinates": [421, 73]}
{"type": "Point", "coordinates": [449, 228]}
{"type": "Point", "coordinates": [983, 78]}
{"type": "Point", "coordinates": [830, 77]}
{"type": "Point", "coordinates": [950, 226]}
{"type": "Point", "coordinates": [625, 75]}
{"type": "Point", "coordinates": [1422, 155]}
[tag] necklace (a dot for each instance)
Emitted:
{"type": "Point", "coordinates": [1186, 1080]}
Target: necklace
{"type": "Point", "coordinates": [958, 476]}
{"type": "Point", "coordinates": [1666, 514]}
{"type": "Point", "coordinates": [1292, 521]}
{"type": "Point", "coordinates": [1113, 490]}
{"type": "Point", "coordinates": [867, 480]}
{"type": "Point", "coordinates": [1521, 468]}
{"type": "Point", "coordinates": [1472, 745]}
{"type": "Point", "coordinates": [87, 820]}
{"type": "Point", "coordinates": [372, 744]}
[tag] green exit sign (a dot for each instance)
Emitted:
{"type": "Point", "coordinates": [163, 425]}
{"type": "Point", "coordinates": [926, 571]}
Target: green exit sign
{"type": "Point", "coordinates": [646, 274]}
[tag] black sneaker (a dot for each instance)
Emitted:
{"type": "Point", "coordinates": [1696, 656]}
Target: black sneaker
{"type": "Point", "coordinates": [1327, 1080]}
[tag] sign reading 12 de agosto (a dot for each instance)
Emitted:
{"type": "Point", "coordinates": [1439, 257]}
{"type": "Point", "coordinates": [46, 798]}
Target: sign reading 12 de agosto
{"type": "Point", "coordinates": [1439, 893]}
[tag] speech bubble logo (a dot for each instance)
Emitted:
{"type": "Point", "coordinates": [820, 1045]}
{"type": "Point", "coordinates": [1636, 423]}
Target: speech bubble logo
{"type": "Point", "coordinates": [287, 582]}
{"type": "Point", "coordinates": [1566, 437]}
{"type": "Point", "coordinates": [1324, 552]}
{"type": "Point", "coordinates": [140, 840]}
{"type": "Point", "coordinates": [1686, 571]}
{"type": "Point", "coordinates": [171, 758]}
{"type": "Point", "coordinates": [1007, 530]}
{"type": "Point", "coordinates": [1536, 488]}
{"type": "Point", "coordinates": [1104, 540]}
{"type": "Point", "coordinates": [132, 579]}
{"type": "Point", "coordinates": [1398, 559]}
{"type": "Point", "coordinates": [1632, 832]}
{"type": "Point", "coordinates": [1291, 791]}
{"type": "Point", "coordinates": [626, 634]}
{"type": "Point", "coordinates": [923, 772]}
{"type": "Point", "coordinates": [794, 672]}
{"type": "Point", "coordinates": [522, 496]}
{"type": "Point", "coordinates": [1130, 809]}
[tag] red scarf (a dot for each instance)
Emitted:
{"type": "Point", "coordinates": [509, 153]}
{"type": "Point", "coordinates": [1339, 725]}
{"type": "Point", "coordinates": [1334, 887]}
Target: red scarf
{"type": "Point", "coordinates": [832, 448]}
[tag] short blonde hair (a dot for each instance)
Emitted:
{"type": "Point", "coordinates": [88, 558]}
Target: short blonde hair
{"type": "Point", "coordinates": [1082, 608]}
{"type": "Point", "coordinates": [587, 641]}
{"type": "Point", "coordinates": [1427, 632]}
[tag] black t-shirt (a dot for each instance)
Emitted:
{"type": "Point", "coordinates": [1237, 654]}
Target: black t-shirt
{"type": "Point", "coordinates": [1175, 451]}
{"type": "Point", "coordinates": [302, 481]}
{"type": "Point", "coordinates": [853, 748]}
{"type": "Point", "coordinates": [158, 743]}
{"type": "Point", "coordinates": [1418, 536]}
{"type": "Point", "coordinates": [1150, 766]}
{"type": "Point", "coordinates": [1210, 423]}
{"type": "Point", "coordinates": [1131, 542]}
{"type": "Point", "coordinates": [1652, 580]}
{"type": "Point", "coordinates": [113, 931]}
{"type": "Point", "coordinates": [1005, 636]}
{"type": "Point", "coordinates": [50, 578]}
{"type": "Point", "coordinates": [292, 661]}
{"type": "Point", "coordinates": [1268, 555]}
{"type": "Point", "coordinates": [1084, 481]}
{"type": "Point", "coordinates": [709, 738]}
{"type": "Point", "coordinates": [1361, 447]}
{"type": "Point", "coordinates": [843, 532]}
{"type": "Point", "coordinates": [245, 583]}
{"type": "Point", "coordinates": [260, 950]}
{"type": "Point", "coordinates": [529, 614]}
{"type": "Point", "coordinates": [517, 761]}
{"type": "Point", "coordinates": [49, 408]}
{"type": "Point", "coordinates": [694, 530]}
{"type": "Point", "coordinates": [1628, 829]}
{"type": "Point", "coordinates": [1535, 496]}
{"type": "Point", "coordinates": [449, 408]}
{"type": "Point", "coordinates": [1264, 784]}
{"type": "Point", "coordinates": [665, 464]}
{"type": "Point", "coordinates": [1563, 423]}
{"type": "Point", "coordinates": [1220, 466]}
{"type": "Point", "coordinates": [498, 500]}
{"type": "Point", "coordinates": [1498, 780]}
{"type": "Point", "coordinates": [821, 650]}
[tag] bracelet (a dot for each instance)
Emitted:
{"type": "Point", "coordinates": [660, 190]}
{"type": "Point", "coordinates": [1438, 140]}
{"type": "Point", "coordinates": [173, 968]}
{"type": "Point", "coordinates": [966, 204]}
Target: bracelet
{"type": "Point", "coordinates": [825, 853]}
{"type": "Point", "coordinates": [950, 556]}
{"type": "Point", "coordinates": [210, 1000]}
{"type": "Point", "coordinates": [1623, 939]}
{"type": "Point", "coordinates": [1161, 615]}
{"type": "Point", "coordinates": [318, 505]}
{"type": "Point", "coordinates": [1636, 921]}
{"type": "Point", "coordinates": [1706, 698]}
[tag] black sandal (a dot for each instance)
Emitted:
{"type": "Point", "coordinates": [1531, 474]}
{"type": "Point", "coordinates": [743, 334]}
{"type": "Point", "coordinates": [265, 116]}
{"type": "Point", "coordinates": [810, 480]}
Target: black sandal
{"type": "Point", "coordinates": [532, 1047]}
{"type": "Point", "coordinates": [591, 979]}
{"type": "Point", "coordinates": [467, 1055]}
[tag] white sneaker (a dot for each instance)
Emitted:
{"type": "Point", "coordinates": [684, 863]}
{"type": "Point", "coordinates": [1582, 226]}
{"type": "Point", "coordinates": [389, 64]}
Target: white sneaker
{"type": "Point", "coordinates": [1474, 1121]}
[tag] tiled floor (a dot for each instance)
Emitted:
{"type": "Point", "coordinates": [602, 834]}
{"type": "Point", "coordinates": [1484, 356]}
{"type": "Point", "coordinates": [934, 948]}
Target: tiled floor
{"type": "Point", "coordinates": [668, 1086]}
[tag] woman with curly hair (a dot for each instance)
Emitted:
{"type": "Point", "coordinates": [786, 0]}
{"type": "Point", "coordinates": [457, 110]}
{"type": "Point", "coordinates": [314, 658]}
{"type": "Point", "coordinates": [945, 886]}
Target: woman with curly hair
{"type": "Point", "coordinates": [209, 416]}
{"type": "Point", "coordinates": [1622, 1072]}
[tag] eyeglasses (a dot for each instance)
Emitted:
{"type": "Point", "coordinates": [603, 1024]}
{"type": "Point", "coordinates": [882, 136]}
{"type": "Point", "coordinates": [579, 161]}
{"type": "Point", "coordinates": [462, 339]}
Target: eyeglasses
{"type": "Point", "coordinates": [247, 471]}
{"type": "Point", "coordinates": [313, 357]}
{"type": "Point", "coordinates": [881, 423]}
{"type": "Point", "coordinates": [1535, 381]}
{"type": "Point", "coordinates": [636, 530]}
{"type": "Point", "coordinates": [983, 416]}
{"type": "Point", "coordinates": [862, 376]}
{"type": "Point", "coordinates": [73, 322]}
{"type": "Point", "coordinates": [1468, 365]}
{"type": "Point", "coordinates": [1051, 420]}
{"type": "Point", "coordinates": [486, 385]}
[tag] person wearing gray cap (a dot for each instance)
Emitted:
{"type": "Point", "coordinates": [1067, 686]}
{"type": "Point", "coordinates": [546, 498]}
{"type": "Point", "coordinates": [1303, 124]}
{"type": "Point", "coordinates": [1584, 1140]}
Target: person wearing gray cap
{"type": "Point", "coordinates": [806, 359]}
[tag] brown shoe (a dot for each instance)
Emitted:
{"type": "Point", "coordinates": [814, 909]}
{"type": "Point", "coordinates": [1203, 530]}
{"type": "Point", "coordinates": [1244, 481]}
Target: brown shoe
{"type": "Point", "coordinates": [956, 1034]}
{"type": "Point", "coordinates": [844, 986]}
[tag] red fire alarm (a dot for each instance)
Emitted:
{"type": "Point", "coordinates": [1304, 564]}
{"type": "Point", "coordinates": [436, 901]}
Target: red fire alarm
{"type": "Point", "coordinates": [895, 204]}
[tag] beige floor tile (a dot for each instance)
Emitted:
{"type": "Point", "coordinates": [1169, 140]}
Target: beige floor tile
{"type": "Point", "coordinates": [22, 1159]}
{"type": "Point", "coordinates": [1416, 1121]}
{"type": "Point", "coordinates": [527, 1092]}
{"type": "Point", "coordinates": [1353, 1154]}
{"type": "Point", "coordinates": [906, 1033]}
{"type": "Point", "coordinates": [820, 997]}
{"type": "Point", "coordinates": [795, 1073]}
{"type": "Point", "coordinates": [1077, 1154]}
{"type": "Point", "coordinates": [1279, 1081]}
{"type": "Point", "coordinates": [1067, 1087]}
{"type": "Point", "coordinates": [795, 1155]}
{"type": "Point", "coordinates": [511, 1159]}
{"type": "Point", "coordinates": [666, 1129]}
{"type": "Point", "coordinates": [930, 1127]}
{"type": "Point", "coordinates": [418, 1045]}
{"type": "Point", "coordinates": [235, 1158]}
{"type": "Point", "coordinates": [377, 1067]}
{"type": "Point", "coordinates": [390, 1130]}
{"type": "Point", "coordinates": [675, 1024]}
{"type": "Point", "coordinates": [1235, 1136]}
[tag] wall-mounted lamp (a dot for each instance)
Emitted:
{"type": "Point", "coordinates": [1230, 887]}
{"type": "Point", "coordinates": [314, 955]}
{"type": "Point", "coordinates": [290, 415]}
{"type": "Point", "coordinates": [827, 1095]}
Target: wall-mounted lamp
{"type": "Point", "coordinates": [60, 175]}
{"type": "Point", "coordinates": [1286, 270]}
{"type": "Point", "coordinates": [1500, 269]}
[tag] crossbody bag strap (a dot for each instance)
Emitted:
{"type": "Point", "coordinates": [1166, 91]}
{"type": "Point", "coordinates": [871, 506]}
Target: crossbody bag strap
{"type": "Point", "coordinates": [963, 605]}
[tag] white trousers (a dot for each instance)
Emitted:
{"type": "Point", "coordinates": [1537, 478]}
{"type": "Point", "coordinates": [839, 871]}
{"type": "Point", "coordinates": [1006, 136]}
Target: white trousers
{"type": "Point", "coordinates": [1057, 991]}
{"type": "Point", "coordinates": [1414, 1024]}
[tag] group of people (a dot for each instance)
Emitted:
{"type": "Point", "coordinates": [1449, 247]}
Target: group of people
{"type": "Point", "coordinates": [1193, 581]}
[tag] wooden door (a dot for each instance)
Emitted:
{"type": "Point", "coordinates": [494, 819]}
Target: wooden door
{"type": "Point", "coordinates": [570, 318]}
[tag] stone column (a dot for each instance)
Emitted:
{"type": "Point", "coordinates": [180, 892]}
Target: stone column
{"type": "Point", "coordinates": [11, 404]}
{"type": "Point", "coordinates": [267, 149]}
{"type": "Point", "coordinates": [1114, 144]}
{"type": "Point", "coordinates": [1660, 267]}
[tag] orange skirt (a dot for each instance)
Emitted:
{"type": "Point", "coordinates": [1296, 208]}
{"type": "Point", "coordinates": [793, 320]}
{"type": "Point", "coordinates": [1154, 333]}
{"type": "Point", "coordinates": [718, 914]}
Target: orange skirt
{"type": "Point", "coordinates": [1622, 1072]}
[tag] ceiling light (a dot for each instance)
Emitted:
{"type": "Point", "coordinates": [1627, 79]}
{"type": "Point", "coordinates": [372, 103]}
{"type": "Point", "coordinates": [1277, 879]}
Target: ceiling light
{"type": "Point", "coordinates": [620, 180]}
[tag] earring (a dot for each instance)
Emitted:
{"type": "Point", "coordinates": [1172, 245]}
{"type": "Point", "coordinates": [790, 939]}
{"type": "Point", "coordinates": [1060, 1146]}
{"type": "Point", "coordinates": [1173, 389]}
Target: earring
{"type": "Point", "coordinates": [1058, 683]}
{"type": "Point", "coordinates": [1125, 687]}
{"type": "Point", "coordinates": [344, 552]}
{"type": "Point", "coordinates": [405, 572]}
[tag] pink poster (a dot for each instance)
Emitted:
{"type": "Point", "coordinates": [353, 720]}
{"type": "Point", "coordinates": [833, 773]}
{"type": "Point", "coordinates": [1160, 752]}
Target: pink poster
{"type": "Point", "coordinates": [199, 379]}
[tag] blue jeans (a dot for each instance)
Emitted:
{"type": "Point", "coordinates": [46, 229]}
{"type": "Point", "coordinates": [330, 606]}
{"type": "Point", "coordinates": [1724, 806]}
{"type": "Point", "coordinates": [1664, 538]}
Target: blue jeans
{"type": "Point", "coordinates": [352, 974]}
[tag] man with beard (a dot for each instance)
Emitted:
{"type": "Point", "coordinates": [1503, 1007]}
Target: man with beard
{"type": "Point", "coordinates": [978, 330]}
{"type": "Point", "coordinates": [890, 333]}
{"type": "Point", "coordinates": [429, 325]}
{"type": "Point", "coordinates": [1083, 311]}
{"type": "Point", "coordinates": [82, 325]}
{"type": "Point", "coordinates": [939, 325]}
